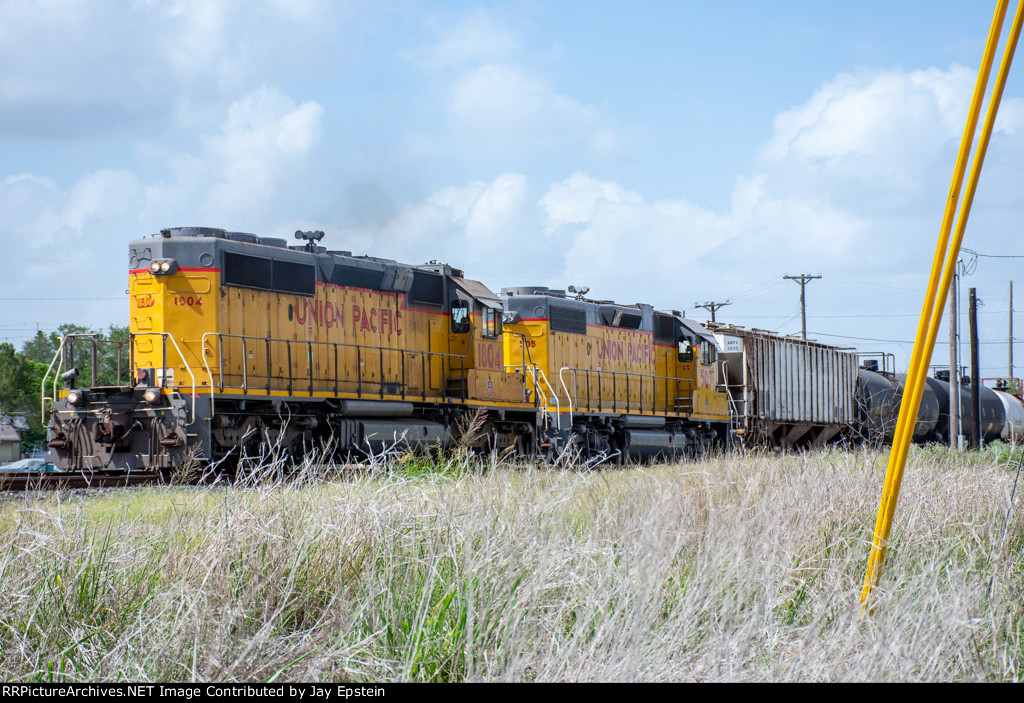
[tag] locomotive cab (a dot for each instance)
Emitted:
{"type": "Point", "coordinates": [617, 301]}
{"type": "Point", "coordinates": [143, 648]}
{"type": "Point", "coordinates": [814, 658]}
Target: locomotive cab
{"type": "Point", "coordinates": [695, 363]}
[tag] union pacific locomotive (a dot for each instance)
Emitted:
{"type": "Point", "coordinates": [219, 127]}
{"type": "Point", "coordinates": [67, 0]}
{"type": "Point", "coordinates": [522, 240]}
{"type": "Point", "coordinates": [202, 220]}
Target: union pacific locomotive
{"type": "Point", "coordinates": [238, 341]}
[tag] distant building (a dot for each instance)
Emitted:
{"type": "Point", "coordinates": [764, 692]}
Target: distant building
{"type": "Point", "coordinates": [10, 437]}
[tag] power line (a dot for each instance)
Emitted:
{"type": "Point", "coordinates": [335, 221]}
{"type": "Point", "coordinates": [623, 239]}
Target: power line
{"type": "Point", "coordinates": [60, 261]}
{"type": "Point", "coordinates": [778, 329]}
{"type": "Point", "coordinates": [866, 339]}
{"type": "Point", "coordinates": [123, 297]}
{"type": "Point", "coordinates": [991, 256]}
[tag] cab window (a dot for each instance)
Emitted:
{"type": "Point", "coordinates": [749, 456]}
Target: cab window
{"type": "Point", "coordinates": [492, 323]}
{"type": "Point", "coordinates": [460, 317]}
{"type": "Point", "coordinates": [685, 350]}
{"type": "Point", "coordinates": [707, 353]}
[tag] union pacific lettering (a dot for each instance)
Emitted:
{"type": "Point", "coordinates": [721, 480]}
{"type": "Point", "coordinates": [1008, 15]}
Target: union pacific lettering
{"type": "Point", "coordinates": [633, 353]}
{"type": "Point", "coordinates": [376, 319]}
{"type": "Point", "coordinates": [324, 313]}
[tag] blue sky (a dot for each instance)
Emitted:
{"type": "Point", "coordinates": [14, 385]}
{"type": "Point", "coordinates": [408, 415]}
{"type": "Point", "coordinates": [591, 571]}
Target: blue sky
{"type": "Point", "coordinates": [664, 152]}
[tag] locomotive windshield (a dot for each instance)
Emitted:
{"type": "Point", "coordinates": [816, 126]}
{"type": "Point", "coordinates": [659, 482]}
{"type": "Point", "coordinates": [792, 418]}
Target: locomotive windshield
{"type": "Point", "coordinates": [685, 349]}
{"type": "Point", "coordinates": [460, 317]}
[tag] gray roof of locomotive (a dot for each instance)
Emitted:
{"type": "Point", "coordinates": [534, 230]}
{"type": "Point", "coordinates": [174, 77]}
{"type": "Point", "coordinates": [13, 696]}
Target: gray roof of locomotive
{"type": "Point", "coordinates": [536, 301]}
{"type": "Point", "coordinates": [204, 247]}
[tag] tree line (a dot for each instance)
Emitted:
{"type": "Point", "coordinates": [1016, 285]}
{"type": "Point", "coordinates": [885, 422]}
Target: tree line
{"type": "Point", "coordinates": [22, 372]}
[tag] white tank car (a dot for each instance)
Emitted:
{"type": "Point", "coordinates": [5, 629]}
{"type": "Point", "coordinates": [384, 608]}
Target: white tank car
{"type": "Point", "coordinates": [1013, 428]}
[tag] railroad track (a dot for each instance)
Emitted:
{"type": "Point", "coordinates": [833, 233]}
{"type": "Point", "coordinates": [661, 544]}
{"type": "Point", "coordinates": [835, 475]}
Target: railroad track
{"type": "Point", "coordinates": [34, 480]}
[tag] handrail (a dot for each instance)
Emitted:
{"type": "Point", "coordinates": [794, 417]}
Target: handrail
{"type": "Point", "coordinates": [569, 398]}
{"type": "Point", "coordinates": [165, 336]}
{"type": "Point", "coordinates": [574, 397]}
{"type": "Point", "coordinates": [728, 393]}
{"type": "Point", "coordinates": [42, 386]}
{"type": "Point", "coordinates": [558, 403]}
{"type": "Point", "coordinates": [59, 354]}
{"type": "Point", "coordinates": [309, 344]}
{"type": "Point", "coordinates": [209, 372]}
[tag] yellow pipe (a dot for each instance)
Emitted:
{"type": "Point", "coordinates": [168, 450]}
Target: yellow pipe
{"type": "Point", "coordinates": [904, 421]}
{"type": "Point", "coordinates": [901, 438]}
{"type": "Point", "coordinates": [929, 322]}
{"type": "Point", "coordinates": [965, 208]}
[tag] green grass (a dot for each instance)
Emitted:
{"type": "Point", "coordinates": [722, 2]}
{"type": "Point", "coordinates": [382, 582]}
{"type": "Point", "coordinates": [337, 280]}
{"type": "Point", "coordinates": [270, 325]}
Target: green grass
{"type": "Point", "coordinates": [449, 569]}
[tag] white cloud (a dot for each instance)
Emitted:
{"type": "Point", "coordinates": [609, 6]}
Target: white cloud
{"type": "Point", "coordinates": [500, 103]}
{"type": "Point", "coordinates": [111, 67]}
{"type": "Point", "coordinates": [91, 214]}
{"type": "Point", "coordinates": [617, 242]}
{"type": "Point", "coordinates": [490, 229]}
{"type": "Point", "coordinates": [573, 200]}
{"type": "Point", "coordinates": [199, 43]}
{"type": "Point", "coordinates": [503, 109]}
{"type": "Point", "coordinates": [879, 143]}
{"type": "Point", "coordinates": [477, 37]}
{"type": "Point", "coordinates": [874, 114]}
{"type": "Point", "coordinates": [262, 144]}
{"type": "Point", "coordinates": [495, 210]}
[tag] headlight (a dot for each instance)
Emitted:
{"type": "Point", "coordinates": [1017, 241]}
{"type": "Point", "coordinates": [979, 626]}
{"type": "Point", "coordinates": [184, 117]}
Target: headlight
{"type": "Point", "coordinates": [163, 267]}
{"type": "Point", "coordinates": [76, 398]}
{"type": "Point", "coordinates": [151, 396]}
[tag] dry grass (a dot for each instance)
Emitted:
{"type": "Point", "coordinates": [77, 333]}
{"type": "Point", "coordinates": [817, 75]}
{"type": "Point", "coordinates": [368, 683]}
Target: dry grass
{"type": "Point", "coordinates": [730, 569]}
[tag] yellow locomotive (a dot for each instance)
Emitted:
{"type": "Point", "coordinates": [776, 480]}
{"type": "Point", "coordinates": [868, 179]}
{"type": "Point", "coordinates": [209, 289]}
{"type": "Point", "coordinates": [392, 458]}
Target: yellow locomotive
{"type": "Point", "coordinates": [238, 340]}
{"type": "Point", "coordinates": [624, 379]}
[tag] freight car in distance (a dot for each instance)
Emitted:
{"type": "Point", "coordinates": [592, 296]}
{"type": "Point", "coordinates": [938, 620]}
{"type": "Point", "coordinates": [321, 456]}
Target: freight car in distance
{"type": "Point", "coordinates": [784, 391]}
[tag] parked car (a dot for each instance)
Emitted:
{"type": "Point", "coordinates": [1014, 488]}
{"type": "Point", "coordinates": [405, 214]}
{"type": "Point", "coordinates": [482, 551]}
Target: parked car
{"type": "Point", "coordinates": [33, 464]}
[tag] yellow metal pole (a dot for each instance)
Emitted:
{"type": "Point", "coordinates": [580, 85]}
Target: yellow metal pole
{"type": "Point", "coordinates": [930, 319]}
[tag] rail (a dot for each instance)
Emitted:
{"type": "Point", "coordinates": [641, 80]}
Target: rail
{"type": "Point", "coordinates": [331, 380]}
{"type": "Point", "coordinates": [683, 390]}
{"type": "Point", "coordinates": [66, 349]}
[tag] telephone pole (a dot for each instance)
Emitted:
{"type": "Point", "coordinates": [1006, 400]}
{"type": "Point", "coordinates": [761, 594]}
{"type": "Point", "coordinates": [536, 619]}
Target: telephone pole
{"type": "Point", "coordinates": [954, 369]}
{"type": "Point", "coordinates": [803, 279]}
{"type": "Point", "coordinates": [972, 319]}
{"type": "Point", "coordinates": [712, 306]}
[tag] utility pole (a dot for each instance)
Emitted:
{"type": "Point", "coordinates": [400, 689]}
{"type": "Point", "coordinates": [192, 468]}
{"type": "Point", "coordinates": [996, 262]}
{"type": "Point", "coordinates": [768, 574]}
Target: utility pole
{"type": "Point", "coordinates": [954, 370]}
{"type": "Point", "coordinates": [803, 279]}
{"type": "Point", "coordinates": [1011, 331]}
{"type": "Point", "coordinates": [712, 306]}
{"type": "Point", "coordinates": [975, 375]}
